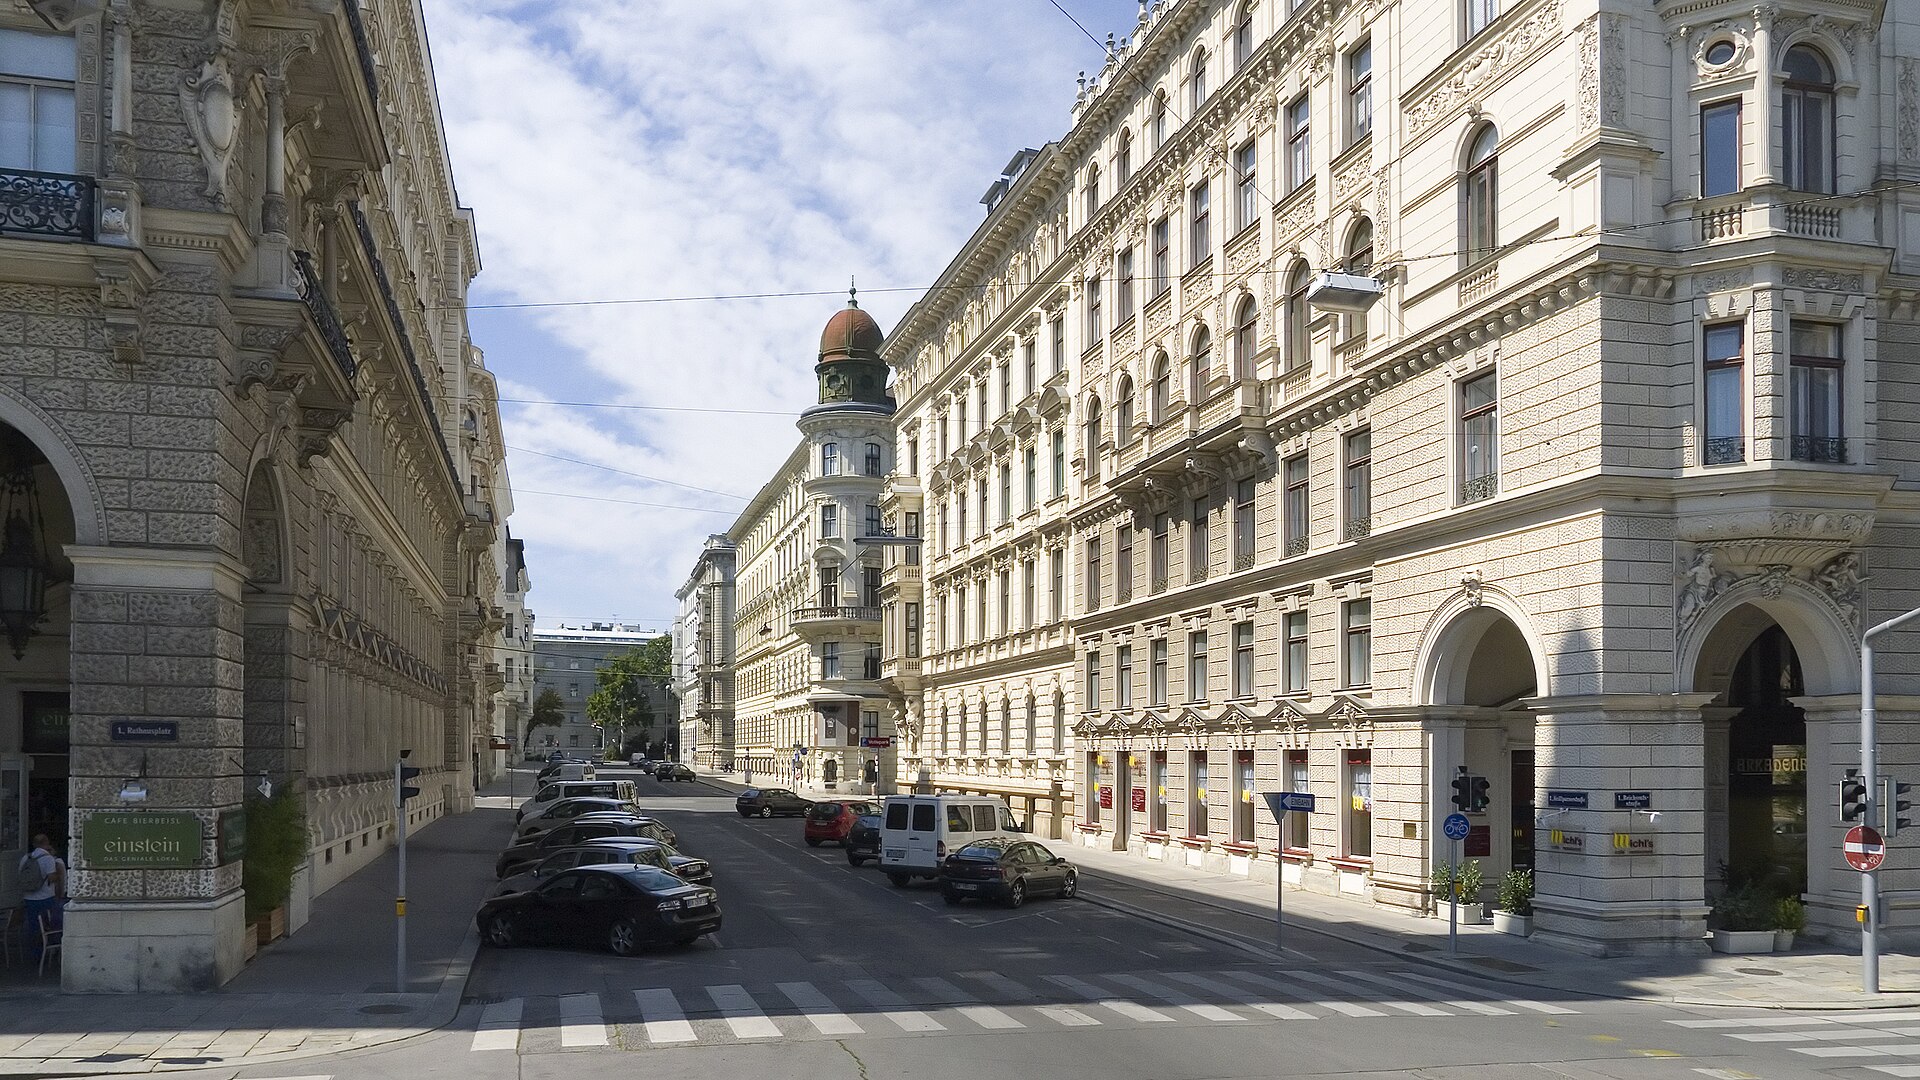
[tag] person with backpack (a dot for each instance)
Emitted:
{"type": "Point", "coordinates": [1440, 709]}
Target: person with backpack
{"type": "Point", "coordinates": [41, 876]}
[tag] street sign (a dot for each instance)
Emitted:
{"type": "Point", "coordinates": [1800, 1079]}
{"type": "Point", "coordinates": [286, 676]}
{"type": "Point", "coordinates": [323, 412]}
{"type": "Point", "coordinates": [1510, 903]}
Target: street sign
{"type": "Point", "coordinates": [1632, 800]}
{"type": "Point", "coordinates": [1456, 826]}
{"type": "Point", "coordinates": [1567, 800]}
{"type": "Point", "coordinates": [1281, 802]}
{"type": "Point", "coordinates": [1864, 849]}
{"type": "Point", "coordinates": [876, 742]}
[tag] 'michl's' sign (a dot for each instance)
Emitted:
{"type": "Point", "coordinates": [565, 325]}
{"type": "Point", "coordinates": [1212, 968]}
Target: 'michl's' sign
{"type": "Point", "coordinates": [140, 840]}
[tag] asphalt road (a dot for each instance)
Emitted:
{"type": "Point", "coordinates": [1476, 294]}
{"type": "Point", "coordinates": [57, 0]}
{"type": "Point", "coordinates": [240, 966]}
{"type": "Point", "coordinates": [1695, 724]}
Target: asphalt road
{"type": "Point", "coordinates": [827, 972]}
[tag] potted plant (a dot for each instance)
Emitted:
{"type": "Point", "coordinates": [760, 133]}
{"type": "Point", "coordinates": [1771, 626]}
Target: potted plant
{"type": "Point", "coordinates": [1513, 905]}
{"type": "Point", "coordinates": [1789, 918]}
{"type": "Point", "coordinates": [1467, 908]}
{"type": "Point", "coordinates": [1742, 921]}
{"type": "Point", "coordinates": [276, 845]}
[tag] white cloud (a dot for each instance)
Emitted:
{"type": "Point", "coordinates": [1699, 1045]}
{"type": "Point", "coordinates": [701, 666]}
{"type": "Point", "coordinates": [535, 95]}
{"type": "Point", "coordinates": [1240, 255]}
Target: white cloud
{"type": "Point", "coordinates": [632, 149]}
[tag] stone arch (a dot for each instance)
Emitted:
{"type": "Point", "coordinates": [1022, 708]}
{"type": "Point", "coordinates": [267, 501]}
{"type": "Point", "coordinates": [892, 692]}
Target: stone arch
{"type": "Point", "coordinates": [1453, 668]}
{"type": "Point", "coordinates": [265, 538]}
{"type": "Point", "coordinates": [1827, 646]}
{"type": "Point", "coordinates": [82, 491]}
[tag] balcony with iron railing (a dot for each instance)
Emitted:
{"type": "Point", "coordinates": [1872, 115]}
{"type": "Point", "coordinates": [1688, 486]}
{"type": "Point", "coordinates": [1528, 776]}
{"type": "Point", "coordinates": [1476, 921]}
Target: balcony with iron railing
{"type": "Point", "coordinates": [1824, 451]}
{"type": "Point", "coordinates": [326, 320]}
{"type": "Point", "coordinates": [1723, 450]}
{"type": "Point", "coordinates": [43, 204]}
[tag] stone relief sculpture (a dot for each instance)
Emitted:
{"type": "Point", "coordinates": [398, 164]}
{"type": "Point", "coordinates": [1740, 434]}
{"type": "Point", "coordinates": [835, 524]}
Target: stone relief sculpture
{"type": "Point", "coordinates": [1840, 580]}
{"type": "Point", "coordinates": [213, 118]}
{"type": "Point", "coordinates": [1699, 585]}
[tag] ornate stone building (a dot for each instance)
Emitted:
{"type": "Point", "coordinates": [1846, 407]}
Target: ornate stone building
{"type": "Point", "coordinates": [703, 656]}
{"type": "Point", "coordinates": [1359, 393]}
{"type": "Point", "coordinates": [247, 548]}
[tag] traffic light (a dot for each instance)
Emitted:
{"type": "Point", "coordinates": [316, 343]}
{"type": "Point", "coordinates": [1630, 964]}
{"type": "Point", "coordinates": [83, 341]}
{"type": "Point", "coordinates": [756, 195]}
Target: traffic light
{"type": "Point", "coordinates": [1477, 798]}
{"type": "Point", "coordinates": [1462, 790]}
{"type": "Point", "coordinates": [403, 772]}
{"type": "Point", "coordinates": [1897, 804]}
{"type": "Point", "coordinates": [1853, 797]}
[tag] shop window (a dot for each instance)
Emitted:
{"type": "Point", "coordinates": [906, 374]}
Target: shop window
{"type": "Point", "coordinates": [1358, 810]}
{"type": "Point", "coordinates": [1197, 793]}
{"type": "Point", "coordinates": [1299, 822]}
{"type": "Point", "coordinates": [1244, 796]}
{"type": "Point", "coordinates": [1157, 808]}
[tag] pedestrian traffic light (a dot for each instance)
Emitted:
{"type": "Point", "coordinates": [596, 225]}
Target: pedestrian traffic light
{"type": "Point", "coordinates": [1897, 804]}
{"type": "Point", "coordinates": [403, 772]}
{"type": "Point", "coordinates": [1853, 797]}
{"type": "Point", "coordinates": [1477, 798]}
{"type": "Point", "coordinates": [1462, 788]}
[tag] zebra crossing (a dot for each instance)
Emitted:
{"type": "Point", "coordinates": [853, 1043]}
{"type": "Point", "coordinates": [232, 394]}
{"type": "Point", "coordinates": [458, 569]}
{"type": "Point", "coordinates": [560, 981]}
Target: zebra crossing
{"type": "Point", "coordinates": [975, 1002]}
{"type": "Point", "coordinates": [1874, 1039]}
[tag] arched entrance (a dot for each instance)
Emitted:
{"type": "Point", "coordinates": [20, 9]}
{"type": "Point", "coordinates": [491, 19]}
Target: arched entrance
{"type": "Point", "coordinates": [36, 525]}
{"type": "Point", "coordinates": [275, 689]}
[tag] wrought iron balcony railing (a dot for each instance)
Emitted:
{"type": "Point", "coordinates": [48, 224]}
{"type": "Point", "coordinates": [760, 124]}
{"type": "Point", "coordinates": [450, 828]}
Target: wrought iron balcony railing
{"type": "Point", "coordinates": [1296, 545]}
{"type": "Point", "coordinates": [324, 316]}
{"type": "Point", "coordinates": [1243, 561]}
{"type": "Point", "coordinates": [364, 50]}
{"type": "Point", "coordinates": [1825, 451]}
{"type": "Point", "coordinates": [1359, 528]}
{"type": "Point", "coordinates": [46, 204]}
{"type": "Point", "coordinates": [1476, 488]}
{"type": "Point", "coordinates": [1725, 450]}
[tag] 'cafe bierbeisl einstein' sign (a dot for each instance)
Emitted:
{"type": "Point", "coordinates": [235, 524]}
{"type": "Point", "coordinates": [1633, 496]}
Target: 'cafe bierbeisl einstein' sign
{"type": "Point", "coordinates": [141, 840]}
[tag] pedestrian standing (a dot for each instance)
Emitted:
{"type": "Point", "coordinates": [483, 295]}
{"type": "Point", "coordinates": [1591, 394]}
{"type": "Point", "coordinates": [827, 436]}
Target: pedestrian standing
{"type": "Point", "coordinates": [42, 876]}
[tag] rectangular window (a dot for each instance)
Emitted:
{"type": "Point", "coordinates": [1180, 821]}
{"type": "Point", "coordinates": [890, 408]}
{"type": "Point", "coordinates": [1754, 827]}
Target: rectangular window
{"type": "Point", "coordinates": [1198, 542]}
{"type": "Point", "coordinates": [1091, 811]}
{"type": "Point", "coordinates": [1723, 370]}
{"type": "Point", "coordinates": [1360, 91]}
{"type": "Point", "coordinates": [829, 459]}
{"type": "Point", "coordinates": [960, 515]}
{"type": "Point", "coordinates": [1359, 804]}
{"type": "Point", "coordinates": [873, 459]}
{"type": "Point", "coordinates": [1197, 666]}
{"type": "Point", "coordinates": [1006, 494]}
{"type": "Point", "coordinates": [960, 616]}
{"type": "Point", "coordinates": [1299, 143]}
{"type": "Point", "coordinates": [874, 525]}
{"type": "Point", "coordinates": [1197, 793]}
{"type": "Point", "coordinates": [1030, 464]}
{"type": "Point", "coordinates": [1006, 387]}
{"type": "Point", "coordinates": [1157, 804]}
{"type": "Point", "coordinates": [829, 586]}
{"type": "Point", "coordinates": [1295, 522]}
{"type": "Point", "coordinates": [1720, 148]}
{"type": "Point", "coordinates": [1295, 679]}
{"type": "Point", "coordinates": [1246, 188]}
{"type": "Point", "coordinates": [1123, 296]}
{"type": "Point", "coordinates": [1059, 463]}
{"type": "Point", "coordinates": [37, 116]}
{"type": "Point", "coordinates": [1357, 615]}
{"type": "Point", "coordinates": [980, 495]}
{"type": "Point", "coordinates": [870, 586]}
{"type": "Point", "coordinates": [913, 630]}
{"type": "Point", "coordinates": [1006, 601]}
{"type": "Point", "coordinates": [1157, 672]}
{"type": "Point", "coordinates": [910, 524]}
{"type": "Point", "coordinates": [1162, 257]}
{"type": "Point", "coordinates": [1243, 525]}
{"type": "Point", "coordinates": [871, 668]}
{"type": "Point", "coordinates": [1243, 660]}
{"type": "Point", "coordinates": [1479, 437]}
{"type": "Point", "coordinates": [1245, 790]}
{"type": "Point", "coordinates": [1093, 680]}
{"type": "Point", "coordinates": [1480, 14]}
{"type": "Point", "coordinates": [829, 660]}
{"type": "Point", "coordinates": [1199, 224]}
{"type": "Point", "coordinates": [1028, 381]}
{"type": "Point", "coordinates": [1093, 574]}
{"type": "Point", "coordinates": [944, 542]}
{"type": "Point", "coordinates": [980, 630]}
{"type": "Point", "coordinates": [829, 521]}
{"type": "Point", "coordinates": [1057, 339]}
{"type": "Point", "coordinates": [1299, 835]}
{"type": "Point", "coordinates": [1815, 387]}
{"type": "Point", "coordinates": [1093, 311]}
{"type": "Point", "coordinates": [1359, 484]}
{"type": "Point", "coordinates": [1123, 677]}
{"type": "Point", "coordinates": [1058, 599]}
{"type": "Point", "coordinates": [869, 723]}
{"type": "Point", "coordinates": [1028, 585]}
{"type": "Point", "coordinates": [1157, 552]}
{"type": "Point", "coordinates": [1123, 561]}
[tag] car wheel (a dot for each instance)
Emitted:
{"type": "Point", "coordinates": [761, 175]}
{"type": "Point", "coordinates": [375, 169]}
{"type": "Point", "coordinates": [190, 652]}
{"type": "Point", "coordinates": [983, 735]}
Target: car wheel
{"type": "Point", "coordinates": [501, 933]}
{"type": "Point", "coordinates": [744, 813]}
{"type": "Point", "coordinates": [899, 880]}
{"type": "Point", "coordinates": [686, 942]}
{"type": "Point", "coordinates": [813, 841]}
{"type": "Point", "coordinates": [624, 937]}
{"type": "Point", "coordinates": [852, 859]}
{"type": "Point", "coordinates": [952, 898]}
{"type": "Point", "coordinates": [1016, 894]}
{"type": "Point", "coordinates": [766, 812]}
{"type": "Point", "coordinates": [1071, 888]}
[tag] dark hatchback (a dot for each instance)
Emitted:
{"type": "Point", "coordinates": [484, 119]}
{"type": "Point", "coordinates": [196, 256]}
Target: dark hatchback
{"type": "Point", "coordinates": [619, 907]}
{"type": "Point", "coordinates": [523, 856]}
{"type": "Point", "coordinates": [672, 770]}
{"type": "Point", "coordinates": [769, 801]}
{"type": "Point", "coordinates": [1008, 869]}
{"type": "Point", "coordinates": [863, 840]}
{"type": "Point", "coordinates": [604, 853]}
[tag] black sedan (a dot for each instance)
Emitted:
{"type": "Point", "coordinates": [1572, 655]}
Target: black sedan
{"type": "Point", "coordinates": [622, 907]}
{"type": "Point", "coordinates": [1005, 868]}
{"type": "Point", "coordinates": [672, 770]}
{"type": "Point", "coordinates": [523, 856]}
{"type": "Point", "coordinates": [863, 840]}
{"type": "Point", "coordinates": [639, 853]}
{"type": "Point", "coordinates": [687, 867]}
{"type": "Point", "coordinates": [768, 801]}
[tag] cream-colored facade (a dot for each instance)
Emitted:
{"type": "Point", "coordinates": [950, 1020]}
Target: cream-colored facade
{"type": "Point", "coordinates": [1583, 480]}
{"type": "Point", "coordinates": [703, 667]}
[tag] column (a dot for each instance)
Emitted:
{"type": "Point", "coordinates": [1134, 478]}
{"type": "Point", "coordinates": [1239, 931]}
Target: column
{"type": "Point", "coordinates": [1762, 156]}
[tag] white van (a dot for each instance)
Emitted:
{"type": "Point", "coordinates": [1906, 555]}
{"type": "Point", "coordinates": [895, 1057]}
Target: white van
{"type": "Point", "coordinates": [554, 790]}
{"type": "Point", "coordinates": [917, 831]}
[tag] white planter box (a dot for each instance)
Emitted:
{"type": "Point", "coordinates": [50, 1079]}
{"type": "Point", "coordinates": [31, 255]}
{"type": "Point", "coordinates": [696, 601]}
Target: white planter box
{"type": "Point", "coordinates": [1742, 942]}
{"type": "Point", "coordinates": [1783, 940]}
{"type": "Point", "coordinates": [1464, 914]}
{"type": "Point", "coordinates": [1508, 923]}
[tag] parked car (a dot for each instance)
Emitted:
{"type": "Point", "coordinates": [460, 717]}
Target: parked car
{"type": "Point", "coordinates": [555, 790]}
{"type": "Point", "coordinates": [673, 770]}
{"type": "Point", "coordinates": [832, 820]}
{"type": "Point", "coordinates": [639, 853]}
{"type": "Point", "coordinates": [690, 867]}
{"type": "Point", "coordinates": [661, 832]}
{"type": "Point", "coordinates": [622, 907]}
{"type": "Point", "coordinates": [565, 770]}
{"type": "Point", "coordinates": [522, 856]}
{"type": "Point", "coordinates": [766, 802]}
{"type": "Point", "coordinates": [565, 810]}
{"type": "Point", "coordinates": [1003, 868]}
{"type": "Point", "coordinates": [863, 840]}
{"type": "Point", "coordinates": [919, 830]}
{"type": "Point", "coordinates": [636, 760]}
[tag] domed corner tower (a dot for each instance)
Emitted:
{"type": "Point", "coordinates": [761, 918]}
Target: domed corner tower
{"type": "Point", "coordinates": [849, 366]}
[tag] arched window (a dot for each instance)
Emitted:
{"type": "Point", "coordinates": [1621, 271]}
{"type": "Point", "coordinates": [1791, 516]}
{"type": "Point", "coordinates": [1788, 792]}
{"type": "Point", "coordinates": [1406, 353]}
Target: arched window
{"type": "Point", "coordinates": [1123, 159]}
{"type": "Point", "coordinates": [1806, 120]}
{"type": "Point", "coordinates": [1480, 197]}
{"type": "Point", "coordinates": [1197, 362]}
{"type": "Point", "coordinates": [1159, 120]}
{"type": "Point", "coordinates": [1162, 387]}
{"type": "Point", "coordinates": [1123, 413]}
{"type": "Point", "coordinates": [1006, 728]}
{"type": "Point", "coordinates": [1033, 725]}
{"type": "Point", "coordinates": [1360, 262]}
{"type": "Point", "coordinates": [1246, 323]}
{"type": "Point", "coordinates": [1243, 37]}
{"type": "Point", "coordinates": [1197, 82]}
{"type": "Point", "coordinates": [946, 730]}
{"type": "Point", "coordinates": [1093, 191]}
{"type": "Point", "coordinates": [829, 459]}
{"type": "Point", "coordinates": [1299, 341]}
{"type": "Point", "coordinates": [1059, 722]}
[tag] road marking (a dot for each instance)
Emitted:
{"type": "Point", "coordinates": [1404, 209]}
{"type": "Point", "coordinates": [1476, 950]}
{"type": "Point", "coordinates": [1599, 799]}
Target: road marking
{"type": "Point", "coordinates": [1344, 1008]}
{"type": "Point", "coordinates": [1842, 1051]}
{"type": "Point", "coordinates": [1821, 1035]}
{"type": "Point", "coordinates": [1002, 986]}
{"type": "Point", "coordinates": [1177, 998]}
{"type": "Point", "coordinates": [818, 1010]}
{"type": "Point", "coordinates": [1100, 997]}
{"type": "Point", "coordinates": [1896, 1070]}
{"type": "Point", "coordinates": [664, 1020]}
{"type": "Point", "coordinates": [1340, 987]}
{"type": "Point", "coordinates": [581, 1023]}
{"type": "Point", "coordinates": [893, 1006]}
{"type": "Point", "coordinates": [741, 1014]}
{"type": "Point", "coordinates": [1754, 1021]}
{"type": "Point", "coordinates": [1060, 1014]}
{"type": "Point", "coordinates": [1734, 1074]}
{"type": "Point", "coordinates": [500, 1025]}
{"type": "Point", "coordinates": [1239, 996]}
{"type": "Point", "coordinates": [1535, 1006]}
{"type": "Point", "coordinates": [1421, 992]}
{"type": "Point", "coordinates": [969, 1006]}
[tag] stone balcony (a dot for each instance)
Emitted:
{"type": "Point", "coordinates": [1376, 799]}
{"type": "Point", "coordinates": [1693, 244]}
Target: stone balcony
{"type": "Point", "coordinates": [824, 623]}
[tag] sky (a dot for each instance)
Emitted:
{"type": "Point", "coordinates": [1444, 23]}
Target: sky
{"type": "Point", "coordinates": [653, 150]}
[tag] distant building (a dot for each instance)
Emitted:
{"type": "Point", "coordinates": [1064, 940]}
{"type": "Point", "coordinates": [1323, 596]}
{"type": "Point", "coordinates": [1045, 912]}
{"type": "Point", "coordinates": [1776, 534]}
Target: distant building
{"type": "Point", "coordinates": [703, 656]}
{"type": "Point", "coordinates": [568, 660]}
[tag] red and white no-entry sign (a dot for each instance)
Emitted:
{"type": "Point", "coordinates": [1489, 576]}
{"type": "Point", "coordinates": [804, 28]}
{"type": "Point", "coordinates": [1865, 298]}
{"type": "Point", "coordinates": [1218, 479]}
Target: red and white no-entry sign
{"type": "Point", "coordinates": [1864, 848]}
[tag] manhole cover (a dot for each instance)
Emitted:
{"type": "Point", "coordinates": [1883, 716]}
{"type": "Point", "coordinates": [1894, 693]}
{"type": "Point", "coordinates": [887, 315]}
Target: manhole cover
{"type": "Point", "coordinates": [1756, 971]}
{"type": "Point", "coordinates": [385, 1010]}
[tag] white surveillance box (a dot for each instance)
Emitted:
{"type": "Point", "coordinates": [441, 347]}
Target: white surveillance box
{"type": "Point", "coordinates": [1344, 292]}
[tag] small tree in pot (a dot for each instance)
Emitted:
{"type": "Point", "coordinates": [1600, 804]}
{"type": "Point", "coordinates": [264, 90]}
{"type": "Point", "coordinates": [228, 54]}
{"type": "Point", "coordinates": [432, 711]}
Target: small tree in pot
{"type": "Point", "coordinates": [1513, 904]}
{"type": "Point", "coordinates": [276, 846]}
{"type": "Point", "coordinates": [1462, 890]}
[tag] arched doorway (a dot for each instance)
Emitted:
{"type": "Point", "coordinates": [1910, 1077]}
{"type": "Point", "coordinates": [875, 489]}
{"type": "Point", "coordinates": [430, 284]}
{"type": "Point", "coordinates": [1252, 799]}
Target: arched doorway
{"type": "Point", "coordinates": [275, 627]}
{"type": "Point", "coordinates": [36, 525]}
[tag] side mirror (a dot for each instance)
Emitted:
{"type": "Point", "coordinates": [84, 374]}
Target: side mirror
{"type": "Point", "coordinates": [1019, 825]}
{"type": "Point", "coordinates": [1057, 860]}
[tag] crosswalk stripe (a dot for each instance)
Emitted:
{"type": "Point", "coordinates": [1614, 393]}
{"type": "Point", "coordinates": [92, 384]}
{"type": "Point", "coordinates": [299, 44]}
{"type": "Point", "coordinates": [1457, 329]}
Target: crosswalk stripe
{"type": "Point", "coordinates": [1839, 1051]}
{"type": "Point", "coordinates": [1908, 1071]}
{"type": "Point", "coordinates": [1239, 996]}
{"type": "Point", "coordinates": [581, 1022]}
{"type": "Point", "coordinates": [1337, 986]}
{"type": "Point", "coordinates": [1128, 1009]}
{"type": "Point", "coordinates": [741, 1014]}
{"type": "Point", "coordinates": [969, 1006]}
{"type": "Point", "coordinates": [818, 1010]}
{"type": "Point", "coordinates": [893, 1006]}
{"type": "Point", "coordinates": [1518, 1003]}
{"type": "Point", "coordinates": [1833, 1034]}
{"type": "Point", "coordinates": [664, 1022]}
{"type": "Point", "coordinates": [1344, 1008]}
{"type": "Point", "coordinates": [1178, 998]}
{"type": "Point", "coordinates": [499, 1025]}
{"type": "Point", "coordinates": [1462, 1004]}
{"type": "Point", "coordinates": [1753, 1021]}
{"type": "Point", "coordinates": [1066, 1017]}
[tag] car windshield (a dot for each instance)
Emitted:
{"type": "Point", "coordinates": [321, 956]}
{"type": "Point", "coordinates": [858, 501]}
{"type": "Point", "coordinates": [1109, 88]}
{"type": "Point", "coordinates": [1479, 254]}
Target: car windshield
{"type": "Point", "coordinates": [653, 879]}
{"type": "Point", "coordinates": [983, 852]}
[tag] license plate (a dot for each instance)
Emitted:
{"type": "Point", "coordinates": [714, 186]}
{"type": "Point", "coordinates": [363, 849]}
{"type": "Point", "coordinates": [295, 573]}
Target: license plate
{"type": "Point", "coordinates": [896, 853]}
{"type": "Point", "coordinates": [967, 888]}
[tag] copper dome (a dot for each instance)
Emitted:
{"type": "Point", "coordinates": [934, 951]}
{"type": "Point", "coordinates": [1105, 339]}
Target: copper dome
{"type": "Point", "coordinates": [850, 334]}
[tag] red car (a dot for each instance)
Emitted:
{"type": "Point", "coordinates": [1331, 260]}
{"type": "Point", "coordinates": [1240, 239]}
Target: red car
{"type": "Point", "coordinates": [833, 820]}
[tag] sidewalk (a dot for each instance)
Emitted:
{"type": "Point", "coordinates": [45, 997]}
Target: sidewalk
{"type": "Point", "coordinates": [1239, 912]}
{"type": "Point", "coordinates": [323, 990]}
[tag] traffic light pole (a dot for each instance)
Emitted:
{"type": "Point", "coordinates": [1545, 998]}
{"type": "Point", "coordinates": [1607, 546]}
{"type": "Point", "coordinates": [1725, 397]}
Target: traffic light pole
{"type": "Point", "coordinates": [400, 894]}
{"type": "Point", "coordinates": [1869, 767]}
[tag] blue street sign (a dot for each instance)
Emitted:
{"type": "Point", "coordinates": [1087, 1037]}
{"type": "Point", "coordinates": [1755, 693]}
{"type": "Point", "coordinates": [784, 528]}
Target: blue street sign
{"type": "Point", "coordinates": [1567, 800]}
{"type": "Point", "coordinates": [1280, 802]}
{"type": "Point", "coordinates": [1456, 826]}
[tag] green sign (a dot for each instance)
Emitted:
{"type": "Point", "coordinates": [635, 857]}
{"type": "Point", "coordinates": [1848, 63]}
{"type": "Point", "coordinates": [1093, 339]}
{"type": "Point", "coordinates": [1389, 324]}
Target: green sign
{"type": "Point", "coordinates": [230, 841]}
{"type": "Point", "coordinates": [140, 840]}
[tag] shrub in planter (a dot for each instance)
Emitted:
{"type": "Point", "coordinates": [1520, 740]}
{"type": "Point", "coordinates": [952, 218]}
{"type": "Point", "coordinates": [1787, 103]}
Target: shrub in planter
{"type": "Point", "coordinates": [1744, 907]}
{"type": "Point", "coordinates": [1790, 914]}
{"type": "Point", "coordinates": [1515, 894]}
{"type": "Point", "coordinates": [276, 845]}
{"type": "Point", "coordinates": [1465, 888]}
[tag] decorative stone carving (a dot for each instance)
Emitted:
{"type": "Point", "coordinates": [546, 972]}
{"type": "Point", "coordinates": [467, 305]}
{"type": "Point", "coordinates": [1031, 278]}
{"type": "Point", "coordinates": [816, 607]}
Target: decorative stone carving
{"type": "Point", "coordinates": [1485, 65]}
{"type": "Point", "coordinates": [1700, 585]}
{"type": "Point", "coordinates": [1472, 584]}
{"type": "Point", "coordinates": [213, 118]}
{"type": "Point", "coordinates": [1823, 279]}
{"type": "Point", "coordinates": [1354, 727]}
{"type": "Point", "coordinates": [1723, 281]}
{"type": "Point", "coordinates": [1589, 81]}
{"type": "Point", "coordinates": [1351, 178]}
{"type": "Point", "coordinates": [1840, 580]}
{"type": "Point", "coordinates": [1907, 85]}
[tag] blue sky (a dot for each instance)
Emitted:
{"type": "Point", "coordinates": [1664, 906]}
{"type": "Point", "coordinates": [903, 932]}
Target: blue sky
{"type": "Point", "coordinates": [624, 149]}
